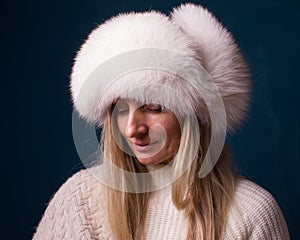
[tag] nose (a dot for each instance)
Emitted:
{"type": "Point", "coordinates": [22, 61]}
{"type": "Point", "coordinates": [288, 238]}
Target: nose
{"type": "Point", "coordinates": [136, 125]}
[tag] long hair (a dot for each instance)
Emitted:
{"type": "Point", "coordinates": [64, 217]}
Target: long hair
{"type": "Point", "coordinates": [205, 201]}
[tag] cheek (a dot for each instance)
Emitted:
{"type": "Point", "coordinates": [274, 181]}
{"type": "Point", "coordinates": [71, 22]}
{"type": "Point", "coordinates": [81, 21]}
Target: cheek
{"type": "Point", "coordinates": [121, 125]}
{"type": "Point", "coordinates": [174, 136]}
{"type": "Point", "coordinates": [173, 131]}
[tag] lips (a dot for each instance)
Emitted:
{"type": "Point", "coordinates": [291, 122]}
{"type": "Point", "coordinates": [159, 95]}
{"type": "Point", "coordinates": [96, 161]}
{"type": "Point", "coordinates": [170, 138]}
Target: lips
{"type": "Point", "coordinates": [140, 143]}
{"type": "Point", "coordinates": [144, 146]}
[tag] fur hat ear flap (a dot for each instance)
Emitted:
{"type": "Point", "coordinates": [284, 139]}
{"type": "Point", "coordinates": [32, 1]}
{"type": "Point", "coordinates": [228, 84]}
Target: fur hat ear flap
{"type": "Point", "coordinates": [220, 57]}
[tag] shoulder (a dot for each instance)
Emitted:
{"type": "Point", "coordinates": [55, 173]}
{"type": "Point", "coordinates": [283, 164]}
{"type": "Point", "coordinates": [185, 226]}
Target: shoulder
{"type": "Point", "coordinates": [255, 213]}
{"type": "Point", "coordinates": [83, 181]}
{"type": "Point", "coordinates": [76, 209]}
{"type": "Point", "coordinates": [81, 185]}
{"type": "Point", "coordinates": [82, 189]}
{"type": "Point", "coordinates": [254, 196]}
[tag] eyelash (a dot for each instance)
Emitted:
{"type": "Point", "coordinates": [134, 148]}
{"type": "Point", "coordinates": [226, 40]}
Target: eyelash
{"type": "Point", "coordinates": [122, 112]}
{"type": "Point", "coordinates": [154, 108]}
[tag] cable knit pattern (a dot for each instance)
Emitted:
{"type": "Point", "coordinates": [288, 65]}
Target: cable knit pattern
{"type": "Point", "coordinates": [77, 211]}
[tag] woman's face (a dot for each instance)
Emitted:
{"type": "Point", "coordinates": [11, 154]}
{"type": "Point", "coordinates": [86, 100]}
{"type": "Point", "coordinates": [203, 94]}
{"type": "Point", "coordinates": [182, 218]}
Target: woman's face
{"type": "Point", "coordinates": [152, 132]}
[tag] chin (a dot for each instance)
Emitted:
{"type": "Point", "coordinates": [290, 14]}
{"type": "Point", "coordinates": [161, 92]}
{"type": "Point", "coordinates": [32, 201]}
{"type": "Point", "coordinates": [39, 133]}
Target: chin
{"type": "Point", "coordinates": [154, 161]}
{"type": "Point", "coordinates": [148, 161]}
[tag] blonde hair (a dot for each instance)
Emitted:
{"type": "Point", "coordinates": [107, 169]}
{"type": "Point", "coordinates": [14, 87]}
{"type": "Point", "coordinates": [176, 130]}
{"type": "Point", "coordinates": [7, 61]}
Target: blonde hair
{"type": "Point", "coordinates": [205, 201]}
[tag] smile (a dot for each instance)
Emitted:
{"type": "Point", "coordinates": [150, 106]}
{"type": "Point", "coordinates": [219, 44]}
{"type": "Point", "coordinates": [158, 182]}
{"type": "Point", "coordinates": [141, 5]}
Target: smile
{"type": "Point", "coordinates": [144, 147]}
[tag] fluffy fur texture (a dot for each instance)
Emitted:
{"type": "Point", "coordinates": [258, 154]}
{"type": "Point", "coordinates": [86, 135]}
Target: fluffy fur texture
{"type": "Point", "coordinates": [151, 57]}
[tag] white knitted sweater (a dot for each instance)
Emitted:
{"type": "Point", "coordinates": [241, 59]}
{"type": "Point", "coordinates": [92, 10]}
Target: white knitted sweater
{"type": "Point", "coordinates": [77, 212]}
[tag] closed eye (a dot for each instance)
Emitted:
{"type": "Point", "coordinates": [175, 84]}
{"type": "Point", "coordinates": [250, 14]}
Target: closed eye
{"type": "Point", "coordinates": [156, 108]}
{"type": "Point", "coordinates": [122, 111]}
{"type": "Point", "coordinates": [121, 107]}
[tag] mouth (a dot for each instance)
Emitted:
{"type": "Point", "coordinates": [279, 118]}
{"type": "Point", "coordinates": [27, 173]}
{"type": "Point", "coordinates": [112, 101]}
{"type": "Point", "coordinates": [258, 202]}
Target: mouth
{"type": "Point", "coordinates": [144, 146]}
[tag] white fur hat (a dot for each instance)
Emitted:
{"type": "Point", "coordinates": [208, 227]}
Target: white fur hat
{"type": "Point", "coordinates": [132, 55]}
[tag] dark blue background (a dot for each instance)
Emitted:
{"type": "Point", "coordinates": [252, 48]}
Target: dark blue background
{"type": "Point", "coordinates": [38, 42]}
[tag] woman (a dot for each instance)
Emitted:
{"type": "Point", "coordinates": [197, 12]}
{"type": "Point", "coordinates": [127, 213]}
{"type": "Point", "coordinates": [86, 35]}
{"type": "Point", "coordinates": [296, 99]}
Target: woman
{"type": "Point", "coordinates": [166, 91]}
